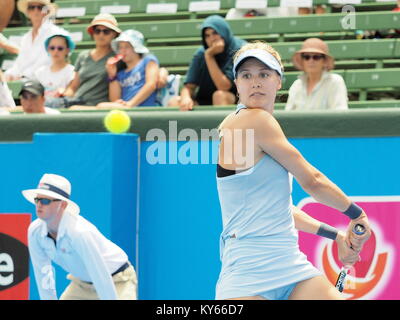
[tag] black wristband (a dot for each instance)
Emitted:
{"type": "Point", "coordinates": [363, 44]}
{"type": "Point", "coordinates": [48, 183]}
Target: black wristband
{"type": "Point", "coordinates": [327, 231]}
{"type": "Point", "coordinates": [353, 212]}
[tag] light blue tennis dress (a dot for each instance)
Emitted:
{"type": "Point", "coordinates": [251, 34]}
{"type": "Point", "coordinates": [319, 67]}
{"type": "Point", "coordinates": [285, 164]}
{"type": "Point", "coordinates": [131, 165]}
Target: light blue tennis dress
{"type": "Point", "coordinates": [259, 244]}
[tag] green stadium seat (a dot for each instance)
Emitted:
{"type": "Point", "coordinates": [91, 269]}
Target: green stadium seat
{"type": "Point", "coordinates": [254, 26]}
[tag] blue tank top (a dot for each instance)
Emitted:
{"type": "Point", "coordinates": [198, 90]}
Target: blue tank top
{"type": "Point", "coordinates": [259, 243]}
{"type": "Point", "coordinates": [257, 202]}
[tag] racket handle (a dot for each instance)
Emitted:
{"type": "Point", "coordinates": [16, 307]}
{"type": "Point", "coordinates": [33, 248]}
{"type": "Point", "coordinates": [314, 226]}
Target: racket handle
{"type": "Point", "coordinates": [359, 230]}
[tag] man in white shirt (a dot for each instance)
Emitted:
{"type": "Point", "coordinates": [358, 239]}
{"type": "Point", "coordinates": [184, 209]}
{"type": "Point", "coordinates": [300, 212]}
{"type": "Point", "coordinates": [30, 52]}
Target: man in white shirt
{"type": "Point", "coordinates": [98, 268]}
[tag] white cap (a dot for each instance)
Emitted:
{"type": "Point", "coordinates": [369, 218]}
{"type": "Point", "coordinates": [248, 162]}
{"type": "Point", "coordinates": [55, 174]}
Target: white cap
{"type": "Point", "coordinates": [265, 57]}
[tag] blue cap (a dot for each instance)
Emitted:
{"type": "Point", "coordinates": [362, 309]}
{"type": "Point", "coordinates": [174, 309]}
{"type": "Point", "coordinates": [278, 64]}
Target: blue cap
{"type": "Point", "coordinates": [71, 44]}
{"type": "Point", "coordinates": [265, 57]}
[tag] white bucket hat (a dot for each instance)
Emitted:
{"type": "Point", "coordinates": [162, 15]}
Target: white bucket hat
{"type": "Point", "coordinates": [134, 37]}
{"type": "Point", "coordinates": [56, 187]}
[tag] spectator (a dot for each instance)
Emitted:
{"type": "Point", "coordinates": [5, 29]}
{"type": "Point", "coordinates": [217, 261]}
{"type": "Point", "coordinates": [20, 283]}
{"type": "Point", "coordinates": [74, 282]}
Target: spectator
{"type": "Point", "coordinates": [7, 45]}
{"type": "Point", "coordinates": [89, 86]}
{"type": "Point", "coordinates": [211, 68]}
{"type": "Point", "coordinates": [317, 87]}
{"type": "Point", "coordinates": [32, 98]}
{"type": "Point", "coordinates": [136, 84]}
{"type": "Point", "coordinates": [55, 78]}
{"type": "Point", "coordinates": [318, 9]}
{"type": "Point", "coordinates": [6, 99]}
{"type": "Point", "coordinates": [235, 13]}
{"type": "Point", "coordinates": [32, 53]}
{"type": "Point", "coordinates": [397, 9]}
{"type": "Point", "coordinates": [391, 33]}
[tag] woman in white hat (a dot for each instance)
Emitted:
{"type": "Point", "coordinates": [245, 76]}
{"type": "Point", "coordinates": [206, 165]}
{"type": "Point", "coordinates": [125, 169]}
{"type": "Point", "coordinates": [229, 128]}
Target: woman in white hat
{"type": "Point", "coordinates": [89, 86]}
{"type": "Point", "coordinates": [98, 268]}
{"type": "Point", "coordinates": [259, 245]}
{"type": "Point", "coordinates": [32, 54]}
{"type": "Point", "coordinates": [317, 88]}
{"type": "Point", "coordinates": [135, 85]}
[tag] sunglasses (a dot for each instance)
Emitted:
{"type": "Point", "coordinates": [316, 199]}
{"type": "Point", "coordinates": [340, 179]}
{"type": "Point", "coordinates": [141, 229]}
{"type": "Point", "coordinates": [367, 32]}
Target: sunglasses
{"type": "Point", "coordinates": [105, 31]}
{"type": "Point", "coordinates": [32, 7]}
{"type": "Point", "coordinates": [45, 201]}
{"type": "Point", "coordinates": [315, 57]}
{"type": "Point", "coordinates": [59, 48]}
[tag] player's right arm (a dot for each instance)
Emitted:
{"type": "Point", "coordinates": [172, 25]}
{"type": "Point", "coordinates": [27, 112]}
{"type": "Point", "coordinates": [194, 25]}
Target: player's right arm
{"type": "Point", "coordinates": [43, 269]}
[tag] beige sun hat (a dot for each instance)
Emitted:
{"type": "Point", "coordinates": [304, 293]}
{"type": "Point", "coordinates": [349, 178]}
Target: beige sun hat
{"type": "Point", "coordinates": [313, 45]}
{"type": "Point", "coordinates": [22, 6]}
{"type": "Point", "coordinates": [54, 186]}
{"type": "Point", "coordinates": [104, 19]}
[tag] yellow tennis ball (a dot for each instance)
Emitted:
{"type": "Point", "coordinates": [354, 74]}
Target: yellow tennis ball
{"type": "Point", "coordinates": [117, 121]}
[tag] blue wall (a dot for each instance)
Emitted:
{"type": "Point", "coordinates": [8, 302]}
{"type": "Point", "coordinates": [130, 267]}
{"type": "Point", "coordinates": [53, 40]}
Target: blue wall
{"type": "Point", "coordinates": [104, 181]}
{"type": "Point", "coordinates": [179, 215]}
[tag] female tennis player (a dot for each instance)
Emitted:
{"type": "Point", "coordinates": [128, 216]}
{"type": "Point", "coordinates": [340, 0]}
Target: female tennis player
{"type": "Point", "coordinates": [259, 244]}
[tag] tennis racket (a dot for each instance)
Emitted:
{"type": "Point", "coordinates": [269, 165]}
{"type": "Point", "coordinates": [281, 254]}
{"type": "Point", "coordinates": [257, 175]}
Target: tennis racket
{"type": "Point", "coordinates": [359, 230]}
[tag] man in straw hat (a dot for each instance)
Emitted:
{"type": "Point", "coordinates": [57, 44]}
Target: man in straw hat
{"type": "Point", "coordinates": [32, 53]}
{"type": "Point", "coordinates": [317, 87]}
{"type": "Point", "coordinates": [98, 268]}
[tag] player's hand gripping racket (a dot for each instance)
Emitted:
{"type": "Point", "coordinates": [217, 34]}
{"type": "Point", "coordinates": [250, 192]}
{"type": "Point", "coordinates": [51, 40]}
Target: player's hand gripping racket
{"type": "Point", "coordinates": [359, 230]}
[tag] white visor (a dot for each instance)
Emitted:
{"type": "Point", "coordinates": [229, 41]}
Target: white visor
{"type": "Point", "coordinates": [265, 57]}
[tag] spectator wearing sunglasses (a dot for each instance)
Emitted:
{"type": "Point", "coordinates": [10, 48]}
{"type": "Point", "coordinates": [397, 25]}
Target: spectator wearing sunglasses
{"type": "Point", "coordinates": [98, 268]}
{"type": "Point", "coordinates": [56, 77]}
{"type": "Point", "coordinates": [32, 54]}
{"type": "Point", "coordinates": [89, 86]}
{"type": "Point", "coordinates": [317, 88]}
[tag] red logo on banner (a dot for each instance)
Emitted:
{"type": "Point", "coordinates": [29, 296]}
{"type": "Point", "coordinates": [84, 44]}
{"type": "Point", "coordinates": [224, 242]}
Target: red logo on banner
{"type": "Point", "coordinates": [364, 276]}
{"type": "Point", "coordinates": [375, 276]}
{"type": "Point", "coordinates": [14, 256]}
